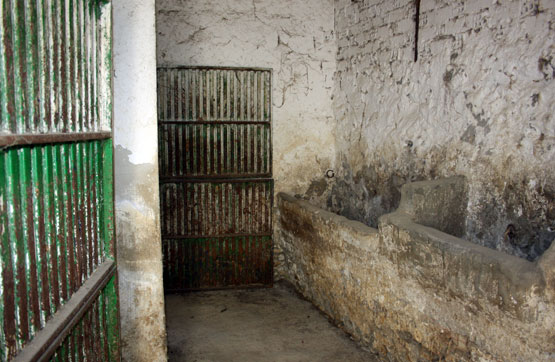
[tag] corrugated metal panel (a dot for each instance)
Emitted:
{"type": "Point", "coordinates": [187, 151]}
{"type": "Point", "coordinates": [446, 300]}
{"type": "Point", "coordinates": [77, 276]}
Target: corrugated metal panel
{"type": "Point", "coordinates": [93, 337]}
{"type": "Point", "coordinates": [199, 209]}
{"type": "Point", "coordinates": [216, 191]}
{"type": "Point", "coordinates": [214, 94]}
{"type": "Point", "coordinates": [214, 122]}
{"type": "Point", "coordinates": [215, 149]}
{"type": "Point", "coordinates": [50, 76]}
{"type": "Point", "coordinates": [217, 262]}
{"type": "Point", "coordinates": [52, 230]}
{"type": "Point", "coordinates": [56, 201]}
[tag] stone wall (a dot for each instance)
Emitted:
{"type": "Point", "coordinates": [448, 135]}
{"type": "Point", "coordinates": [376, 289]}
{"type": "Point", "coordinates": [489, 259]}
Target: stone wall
{"type": "Point", "coordinates": [294, 38]}
{"type": "Point", "coordinates": [414, 293]}
{"type": "Point", "coordinates": [139, 251]}
{"type": "Point", "coordinates": [478, 102]}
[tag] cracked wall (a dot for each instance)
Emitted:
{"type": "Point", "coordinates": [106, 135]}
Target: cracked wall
{"type": "Point", "coordinates": [143, 331]}
{"type": "Point", "coordinates": [479, 102]}
{"type": "Point", "coordinates": [295, 39]}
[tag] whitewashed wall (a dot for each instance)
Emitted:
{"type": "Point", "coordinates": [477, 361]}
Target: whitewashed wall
{"type": "Point", "coordinates": [295, 39]}
{"type": "Point", "coordinates": [479, 102]}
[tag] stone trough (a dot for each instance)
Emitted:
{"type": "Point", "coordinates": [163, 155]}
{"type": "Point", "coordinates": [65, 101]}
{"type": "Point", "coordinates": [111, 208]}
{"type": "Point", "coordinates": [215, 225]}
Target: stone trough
{"type": "Point", "coordinates": [413, 289]}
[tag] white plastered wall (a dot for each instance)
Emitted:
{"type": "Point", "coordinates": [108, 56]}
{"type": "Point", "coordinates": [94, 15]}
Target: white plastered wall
{"type": "Point", "coordinates": [295, 39]}
{"type": "Point", "coordinates": [478, 102]}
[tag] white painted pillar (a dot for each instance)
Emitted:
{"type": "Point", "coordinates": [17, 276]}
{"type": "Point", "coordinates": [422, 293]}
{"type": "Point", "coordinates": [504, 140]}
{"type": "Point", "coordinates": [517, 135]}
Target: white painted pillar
{"type": "Point", "coordinates": [143, 334]}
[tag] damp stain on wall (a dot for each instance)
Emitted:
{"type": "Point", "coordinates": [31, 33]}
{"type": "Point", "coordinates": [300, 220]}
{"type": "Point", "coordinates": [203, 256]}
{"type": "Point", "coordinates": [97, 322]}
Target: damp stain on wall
{"type": "Point", "coordinates": [478, 103]}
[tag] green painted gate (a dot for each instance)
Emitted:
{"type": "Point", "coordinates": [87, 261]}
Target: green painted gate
{"type": "Point", "coordinates": [58, 296]}
{"type": "Point", "coordinates": [216, 187]}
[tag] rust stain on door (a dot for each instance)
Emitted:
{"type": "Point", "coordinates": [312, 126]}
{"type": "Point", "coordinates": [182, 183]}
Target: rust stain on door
{"type": "Point", "coordinates": [216, 187]}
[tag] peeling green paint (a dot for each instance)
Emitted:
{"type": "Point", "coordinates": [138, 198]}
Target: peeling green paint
{"type": "Point", "coordinates": [56, 196]}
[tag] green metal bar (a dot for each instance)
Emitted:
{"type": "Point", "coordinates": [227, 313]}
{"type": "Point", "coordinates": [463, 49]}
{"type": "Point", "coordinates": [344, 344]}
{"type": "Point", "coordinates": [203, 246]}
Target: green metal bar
{"type": "Point", "coordinates": [4, 252]}
{"type": "Point", "coordinates": [100, 196]}
{"type": "Point", "coordinates": [71, 205]}
{"type": "Point", "coordinates": [15, 237]}
{"type": "Point", "coordinates": [50, 75]}
{"type": "Point", "coordinates": [106, 66]}
{"type": "Point", "coordinates": [54, 233]}
{"type": "Point", "coordinates": [20, 76]}
{"type": "Point", "coordinates": [24, 262]}
{"type": "Point", "coordinates": [96, 160]}
{"type": "Point", "coordinates": [4, 115]}
{"type": "Point", "coordinates": [59, 217]}
{"type": "Point", "coordinates": [87, 206]}
{"type": "Point", "coordinates": [79, 58]}
{"type": "Point", "coordinates": [103, 327]}
{"type": "Point", "coordinates": [80, 226]}
{"type": "Point", "coordinates": [62, 84]}
{"type": "Point", "coordinates": [80, 356]}
{"type": "Point", "coordinates": [108, 199]}
{"type": "Point", "coordinates": [96, 52]}
{"type": "Point", "coordinates": [27, 139]}
{"type": "Point", "coordinates": [47, 190]}
{"type": "Point", "coordinates": [85, 62]}
{"type": "Point", "coordinates": [89, 15]}
{"type": "Point", "coordinates": [7, 91]}
{"type": "Point", "coordinates": [74, 91]}
{"type": "Point", "coordinates": [112, 319]}
{"type": "Point", "coordinates": [65, 68]}
{"type": "Point", "coordinates": [34, 187]}
{"type": "Point", "coordinates": [55, 83]}
{"type": "Point", "coordinates": [74, 216]}
{"type": "Point", "coordinates": [87, 225]}
{"type": "Point", "coordinates": [81, 214]}
{"type": "Point", "coordinates": [31, 52]}
{"type": "Point", "coordinates": [59, 20]}
{"type": "Point", "coordinates": [40, 65]}
{"type": "Point", "coordinates": [67, 211]}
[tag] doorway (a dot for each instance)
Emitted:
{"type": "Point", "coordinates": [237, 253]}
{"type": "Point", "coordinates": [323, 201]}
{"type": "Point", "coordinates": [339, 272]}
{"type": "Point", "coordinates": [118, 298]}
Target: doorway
{"type": "Point", "coordinates": [215, 169]}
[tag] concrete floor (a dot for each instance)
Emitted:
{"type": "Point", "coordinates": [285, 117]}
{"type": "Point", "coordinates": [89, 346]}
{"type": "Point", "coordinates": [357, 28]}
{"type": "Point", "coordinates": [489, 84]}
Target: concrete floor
{"type": "Point", "coordinates": [253, 325]}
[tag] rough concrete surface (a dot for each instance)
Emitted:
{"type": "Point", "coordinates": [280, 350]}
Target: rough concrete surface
{"type": "Point", "coordinates": [440, 204]}
{"type": "Point", "coordinates": [413, 293]}
{"type": "Point", "coordinates": [478, 102]}
{"type": "Point", "coordinates": [254, 325]}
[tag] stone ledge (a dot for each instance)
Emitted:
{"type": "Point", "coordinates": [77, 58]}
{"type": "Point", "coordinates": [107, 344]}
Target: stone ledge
{"type": "Point", "coordinates": [412, 292]}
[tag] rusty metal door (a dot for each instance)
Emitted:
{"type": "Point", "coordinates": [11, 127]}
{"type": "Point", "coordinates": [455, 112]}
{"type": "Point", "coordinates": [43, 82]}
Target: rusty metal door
{"type": "Point", "coordinates": [216, 190]}
{"type": "Point", "coordinates": [58, 287]}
